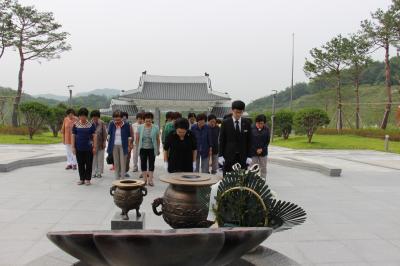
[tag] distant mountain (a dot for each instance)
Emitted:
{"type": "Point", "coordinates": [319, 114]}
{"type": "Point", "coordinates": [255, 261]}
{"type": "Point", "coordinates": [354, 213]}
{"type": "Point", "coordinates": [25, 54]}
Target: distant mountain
{"type": "Point", "coordinates": [91, 101]}
{"type": "Point", "coordinates": [109, 93]}
{"type": "Point", "coordinates": [100, 92]}
{"type": "Point", "coordinates": [60, 98]}
{"type": "Point", "coordinates": [27, 97]}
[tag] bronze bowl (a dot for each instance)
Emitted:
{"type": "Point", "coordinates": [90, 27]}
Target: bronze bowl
{"type": "Point", "coordinates": [128, 195]}
{"type": "Point", "coordinates": [185, 201]}
{"type": "Point", "coordinates": [191, 247]}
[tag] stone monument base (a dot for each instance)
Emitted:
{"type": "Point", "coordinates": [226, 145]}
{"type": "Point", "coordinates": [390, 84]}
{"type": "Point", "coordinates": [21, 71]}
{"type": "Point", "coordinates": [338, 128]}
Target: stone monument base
{"type": "Point", "coordinates": [134, 222]}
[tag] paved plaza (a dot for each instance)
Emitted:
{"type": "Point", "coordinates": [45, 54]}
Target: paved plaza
{"type": "Point", "coordinates": [352, 220]}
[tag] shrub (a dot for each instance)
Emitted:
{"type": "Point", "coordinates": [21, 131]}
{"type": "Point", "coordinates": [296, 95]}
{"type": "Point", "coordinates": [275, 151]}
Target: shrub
{"type": "Point", "coordinates": [283, 123]}
{"type": "Point", "coordinates": [36, 114]}
{"type": "Point", "coordinates": [106, 119]}
{"type": "Point", "coordinates": [56, 118]}
{"type": "Point", "coordinates": [10, 130]}
{"type": "Point", "coordinates": [308, 120]}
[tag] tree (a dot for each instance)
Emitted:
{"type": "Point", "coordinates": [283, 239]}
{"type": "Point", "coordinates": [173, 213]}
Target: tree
{"type": "Point", "coordinates": [56, 118]}
{"type": "Point", "coordinates": [6, 26]}
{"type": "Point", "coordinates": [36, 115]}
{"type": "Point", "coordinates": [381, 30]}
{"type": "Point", "coordinates": [308, 120]}
{"type": "Point", "coordinates": [106, 119]}
{"type": "Point", "coordinates": [284, 122]}
{"type": "Point", "coordinates": [37, 36]}
{"type": "Point", "coordinates": [396, 10]}
{"type": "Point", "coordinates": [330, 61]}
{"type": "Point", "coordinates": [359, 58]}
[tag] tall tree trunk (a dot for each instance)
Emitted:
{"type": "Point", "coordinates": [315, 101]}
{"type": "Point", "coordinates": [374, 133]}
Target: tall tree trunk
{"type": "Point", "coordinates": [2, 50]}
{"type": "Point", "coordinates": [388, 89]}
{"type": "Point", "coordinates": [310, 134]}
{"type": "Point", "coordinates": [54, 129]}
{"type": "Point", "coordinates": [19, 91]}
{"type": "Point", "coordinates": [339, 123]}
{"type": "Point", "coordinates": [357, 83]}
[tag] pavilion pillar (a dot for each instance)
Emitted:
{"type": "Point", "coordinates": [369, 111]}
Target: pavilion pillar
{"type": "Point", "coordinates": [157, 117]}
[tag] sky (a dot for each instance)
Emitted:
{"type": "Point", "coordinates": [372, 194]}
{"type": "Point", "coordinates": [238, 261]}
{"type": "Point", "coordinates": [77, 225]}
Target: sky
{"type": "Point", "coordinates": [244, 45]}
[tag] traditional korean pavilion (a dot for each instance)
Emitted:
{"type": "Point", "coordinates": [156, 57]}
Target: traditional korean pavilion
{"type": "Point", "coordinates": [159, 94]}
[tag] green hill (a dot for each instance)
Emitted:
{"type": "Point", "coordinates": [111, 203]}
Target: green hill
{"type": "Point", "coordinates": [370, 95]}
{"type": "Point", "coordinates": [321, 93]}
{"type": "Point", "coordinates": [90, 101]}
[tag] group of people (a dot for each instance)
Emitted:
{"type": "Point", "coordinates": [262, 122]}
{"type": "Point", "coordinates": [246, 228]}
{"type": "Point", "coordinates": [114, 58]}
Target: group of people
{"type": "Point", "coordinates": [207, 143]}
{"type": "Point", "coordinates": [199, 143]}
{"type": "Point", "coordinates": [85, 142]}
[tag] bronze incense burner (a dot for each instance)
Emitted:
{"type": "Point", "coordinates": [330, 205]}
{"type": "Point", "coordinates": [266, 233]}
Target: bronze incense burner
{"type": "Point", "coordinates": [128, 195]}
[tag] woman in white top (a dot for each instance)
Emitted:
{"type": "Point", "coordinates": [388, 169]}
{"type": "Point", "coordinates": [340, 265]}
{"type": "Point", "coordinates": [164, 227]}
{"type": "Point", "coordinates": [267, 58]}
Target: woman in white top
{"type": "Point", "coordinates": [119, 143]}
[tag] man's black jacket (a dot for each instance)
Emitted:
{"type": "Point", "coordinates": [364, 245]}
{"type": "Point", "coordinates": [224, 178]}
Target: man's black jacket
{"type": "Point", "coordinates": [233, 144]}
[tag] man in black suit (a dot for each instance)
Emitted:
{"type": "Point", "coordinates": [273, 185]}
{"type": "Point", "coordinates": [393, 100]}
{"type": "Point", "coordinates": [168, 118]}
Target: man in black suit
{"type": "Point", "coordinates": [235, 139]}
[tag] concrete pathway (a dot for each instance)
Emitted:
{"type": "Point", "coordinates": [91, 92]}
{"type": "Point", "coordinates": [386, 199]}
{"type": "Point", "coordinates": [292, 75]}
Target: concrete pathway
{"type": "Point", "coordinates": [345, 159]}
{"type": "Point", "coordinates": [352, 220]}
{"type": "Point", "coordinates": [17, 156]}
{"type": "Point", "coordinates": [10, 153]}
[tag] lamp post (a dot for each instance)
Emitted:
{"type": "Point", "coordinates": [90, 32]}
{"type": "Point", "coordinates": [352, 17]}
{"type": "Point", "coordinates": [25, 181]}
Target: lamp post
{"type": "Point", "coordinates": [291, 87]}
{"type": "Point", "coordinates": [70, 94]}
{"type": "Point", "coordinates": [273, 115]}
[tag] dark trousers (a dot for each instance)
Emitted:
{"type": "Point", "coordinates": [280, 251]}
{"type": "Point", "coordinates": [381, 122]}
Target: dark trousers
{"type": "Point", "coordinates": [147, 155]}
{"type": "Point", "coordinates": [128, 158]}
{"type": "Point", "coordinates": [85, 162]}
{"type": "Point", "coordinates": [228, 164]}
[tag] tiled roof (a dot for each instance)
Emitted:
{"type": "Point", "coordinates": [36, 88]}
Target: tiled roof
{"type": "Point", "coordinates": [106, 111]}
{"type": "Point", "coordinates": [175, 88]}
{"type": "Point", "coordinates": [175, 79]}
{"type": "Point", "coordinates": [220, 112]}
{"type": "Point", "coordinates": [176, 91]}
{"type": "Point", "coordinates": [131, 109]}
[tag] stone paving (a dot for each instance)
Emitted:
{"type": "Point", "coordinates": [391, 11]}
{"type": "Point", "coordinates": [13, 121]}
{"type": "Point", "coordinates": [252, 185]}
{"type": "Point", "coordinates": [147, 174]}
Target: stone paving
{"type": "Point", "coordinates": [352, 220]}
{"type": "Point", "coordinates": [10, 153]}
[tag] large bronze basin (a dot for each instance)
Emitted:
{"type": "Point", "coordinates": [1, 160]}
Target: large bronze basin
{"type": "Point", "coordinates": [191, 247]}
{"type": "Point", "coordinates": [185, 201]}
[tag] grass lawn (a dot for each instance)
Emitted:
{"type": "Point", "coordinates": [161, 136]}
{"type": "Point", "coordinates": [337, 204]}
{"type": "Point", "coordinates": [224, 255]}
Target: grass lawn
{"type": "Point", "coordinates": [344, 142]}
{"type": "Point", "coordinates": [44, 138]}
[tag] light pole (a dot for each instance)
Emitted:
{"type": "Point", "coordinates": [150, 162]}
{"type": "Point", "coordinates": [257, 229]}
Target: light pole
{"type": "Point", "coordinates": [70, 94]}
{"type": "Point", "coordinates": [291, 88]}
{"type": "Point", "coordinates": [273, 115]}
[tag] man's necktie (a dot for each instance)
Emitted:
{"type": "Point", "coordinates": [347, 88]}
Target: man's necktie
{"type": "Point", "coordinates": [237, 129]}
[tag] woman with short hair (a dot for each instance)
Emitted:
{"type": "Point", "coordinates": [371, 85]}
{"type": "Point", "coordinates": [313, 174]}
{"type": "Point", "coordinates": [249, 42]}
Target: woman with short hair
{"type": "Point", "coordinates": [259, 144]}
{"type": "Point", "coordinates": [84, 143]}
{"type": "Point", "coordinates": [66, 131]}
{"type": "Point", "coordinates": [119, 143]}
{"type": "Point", "coordinates": [180, 148]}
{"type": "Point", "coordinates": [148, 141]}
{"type": "Point", "coordinates": [101, 133]}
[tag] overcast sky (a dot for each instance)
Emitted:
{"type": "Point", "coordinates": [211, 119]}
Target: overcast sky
{"type": "Point", "coordinates": [244, 45]}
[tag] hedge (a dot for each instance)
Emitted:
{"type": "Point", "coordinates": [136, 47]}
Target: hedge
{"type": "Point", "coordinates": [394, 134]}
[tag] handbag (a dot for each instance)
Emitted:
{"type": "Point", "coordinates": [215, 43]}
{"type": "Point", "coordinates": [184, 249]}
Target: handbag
{"type": "Point", "coordinates": [110, 159]}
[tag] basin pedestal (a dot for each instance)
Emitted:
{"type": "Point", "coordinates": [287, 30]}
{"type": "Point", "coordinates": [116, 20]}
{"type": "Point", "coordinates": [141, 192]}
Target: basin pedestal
{"type": "Point", "coordinates": [134, 222]}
